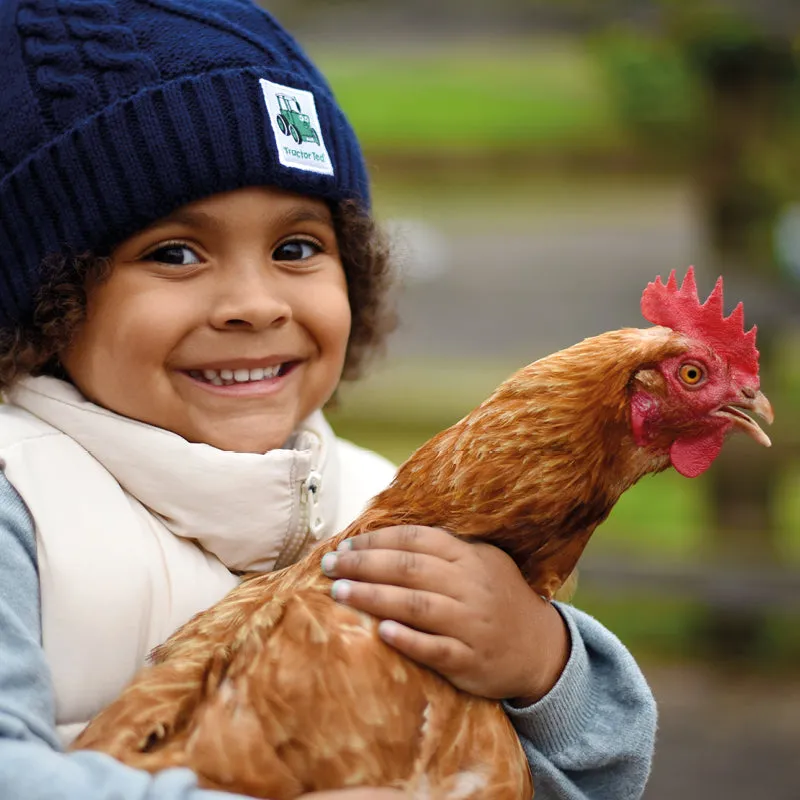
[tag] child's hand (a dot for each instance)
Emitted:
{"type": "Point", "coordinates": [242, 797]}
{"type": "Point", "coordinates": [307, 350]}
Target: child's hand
{"type": "Point", "coordinates": [460, 608]}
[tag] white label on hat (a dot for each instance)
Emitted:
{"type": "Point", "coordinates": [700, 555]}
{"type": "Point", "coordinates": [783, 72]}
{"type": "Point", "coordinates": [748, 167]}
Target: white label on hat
{"type": "Point", "coordinates": [298, 135]}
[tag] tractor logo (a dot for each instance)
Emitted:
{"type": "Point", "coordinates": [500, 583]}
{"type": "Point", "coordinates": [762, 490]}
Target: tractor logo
{"type": "Point", "coordinates": [293, 122]}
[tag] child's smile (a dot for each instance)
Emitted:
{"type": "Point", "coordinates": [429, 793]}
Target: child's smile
{"type": "Point", "coordinates": [240, 375]}
{"type": "Point", "coordinates": [226, 322]}
{"type": "Point", "coordinates": [245, 381]}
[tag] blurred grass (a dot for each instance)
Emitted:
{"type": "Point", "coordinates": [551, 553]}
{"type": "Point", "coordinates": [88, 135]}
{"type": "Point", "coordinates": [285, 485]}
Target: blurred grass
{"type": "Point", "coordinates": [660, 628]}
{"type": "Point", "coordinates": [483, 95]}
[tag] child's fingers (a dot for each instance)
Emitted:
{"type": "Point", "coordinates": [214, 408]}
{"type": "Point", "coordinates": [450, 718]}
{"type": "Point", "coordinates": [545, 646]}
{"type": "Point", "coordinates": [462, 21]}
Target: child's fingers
{"type": "Point", "coordinates": [396, 568]}
{"type": "Point", "coordinates": [443, 654]}
{"type": "Point", "coordinates": [425, 611]}
{"type": "Point", "coordinates": [416, 538]}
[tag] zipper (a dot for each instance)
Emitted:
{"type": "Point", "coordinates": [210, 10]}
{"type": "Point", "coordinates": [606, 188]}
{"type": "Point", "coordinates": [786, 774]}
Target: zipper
{"type": "Point", "coordinates": [311, 488]}
{"type": "Point", "coordinates": [309, 522]}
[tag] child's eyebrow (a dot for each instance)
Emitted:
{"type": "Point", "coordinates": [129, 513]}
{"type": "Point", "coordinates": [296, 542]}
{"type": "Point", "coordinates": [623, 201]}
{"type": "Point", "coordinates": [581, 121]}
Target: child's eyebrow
{"type": "Point", "coordinates": [202, 219]}
{"type": "Point", "coordinates": [184, 216]}
{"type": "Point", "coordinates": [305, 214]}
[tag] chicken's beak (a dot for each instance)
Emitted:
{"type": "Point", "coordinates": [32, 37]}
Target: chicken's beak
{"type": "Point", "coordinates": [758, 405]}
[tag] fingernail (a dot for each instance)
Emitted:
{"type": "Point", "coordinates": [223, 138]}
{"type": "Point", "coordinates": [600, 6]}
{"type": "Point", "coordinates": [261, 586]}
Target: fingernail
{"type": "Point", "coordinates": [329, 563]}
{"type": "Point", "coordinates": [387, 629]}
{"type": "Point", "coordinates": [340, 591]}
{"type": "Point", "coordinates": [345, 544]}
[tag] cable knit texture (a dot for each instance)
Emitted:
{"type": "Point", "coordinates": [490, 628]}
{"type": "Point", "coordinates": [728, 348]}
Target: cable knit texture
{"type": "Point", "coordinates": [119, 111]}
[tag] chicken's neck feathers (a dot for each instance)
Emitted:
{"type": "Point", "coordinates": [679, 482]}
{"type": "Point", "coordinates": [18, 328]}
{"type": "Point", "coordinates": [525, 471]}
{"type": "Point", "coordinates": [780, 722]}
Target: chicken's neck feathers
{"type": "Point", "coordinates": [537, 466]}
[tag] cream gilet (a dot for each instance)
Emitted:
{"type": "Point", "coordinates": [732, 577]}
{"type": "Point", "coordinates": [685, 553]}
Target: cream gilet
{"type": "Point", "coordinates": [138, 529]}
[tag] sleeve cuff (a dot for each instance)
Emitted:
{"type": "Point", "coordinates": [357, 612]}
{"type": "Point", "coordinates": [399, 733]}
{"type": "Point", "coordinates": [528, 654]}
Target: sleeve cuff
{"type": "Point", "coordinates": [558, 719]}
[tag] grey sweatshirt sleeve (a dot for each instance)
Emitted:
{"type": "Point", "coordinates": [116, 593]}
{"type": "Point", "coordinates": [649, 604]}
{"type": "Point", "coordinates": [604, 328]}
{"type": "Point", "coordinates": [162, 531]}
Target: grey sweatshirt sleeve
{"type": "Point", "coordinates": [592, 736]}
{"type": "Point", "coordinates": [31, 764]}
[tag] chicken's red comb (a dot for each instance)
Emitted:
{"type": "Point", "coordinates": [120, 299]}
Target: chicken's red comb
{"type": "Point", "coordinates": [681, 310]}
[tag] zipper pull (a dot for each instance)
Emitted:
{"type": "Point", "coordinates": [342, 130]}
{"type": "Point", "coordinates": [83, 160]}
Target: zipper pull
{"type": "Point", "coordinates": [313, 484]}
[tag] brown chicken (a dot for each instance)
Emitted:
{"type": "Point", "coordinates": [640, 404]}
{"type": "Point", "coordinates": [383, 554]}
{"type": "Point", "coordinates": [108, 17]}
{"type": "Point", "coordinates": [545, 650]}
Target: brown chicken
{"type": "Point", "coordinates": [278, 690]}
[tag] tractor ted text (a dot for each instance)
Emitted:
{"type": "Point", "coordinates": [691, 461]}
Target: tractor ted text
{"type": "Point", "coordinates": [307, 156]}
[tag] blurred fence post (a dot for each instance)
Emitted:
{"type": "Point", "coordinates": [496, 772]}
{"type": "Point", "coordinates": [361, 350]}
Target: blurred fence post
{"type": "Point", "coordinates": [747, 81]}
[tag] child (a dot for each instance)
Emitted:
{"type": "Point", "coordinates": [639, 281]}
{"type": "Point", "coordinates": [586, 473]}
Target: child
{"type": "Point", "coordinates": [187, 269]}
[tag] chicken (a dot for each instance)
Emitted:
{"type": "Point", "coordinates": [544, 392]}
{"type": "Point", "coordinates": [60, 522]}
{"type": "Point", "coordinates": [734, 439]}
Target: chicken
{"type": "Point", "coordinates": [277, 690]}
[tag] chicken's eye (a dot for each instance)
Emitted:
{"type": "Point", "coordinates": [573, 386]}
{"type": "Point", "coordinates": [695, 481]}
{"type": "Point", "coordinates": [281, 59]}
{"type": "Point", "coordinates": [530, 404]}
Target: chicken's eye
{"type": "Point", "coordinates": [691, 374]}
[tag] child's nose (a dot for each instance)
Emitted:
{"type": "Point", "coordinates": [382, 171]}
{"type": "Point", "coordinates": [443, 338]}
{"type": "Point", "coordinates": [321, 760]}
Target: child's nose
{"type": "Point", "coordinates": [254, 302]}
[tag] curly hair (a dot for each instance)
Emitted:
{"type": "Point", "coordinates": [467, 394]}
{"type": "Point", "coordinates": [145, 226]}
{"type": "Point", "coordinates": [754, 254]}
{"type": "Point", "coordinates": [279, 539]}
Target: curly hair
{"type": "Point", "coordinates": [33, 348]}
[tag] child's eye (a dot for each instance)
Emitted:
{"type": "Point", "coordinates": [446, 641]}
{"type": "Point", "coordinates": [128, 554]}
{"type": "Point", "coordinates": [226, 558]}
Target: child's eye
{"type": "Point", "coordinates": [177, 254]}
{"type": "Point", "coordinates": [296, 250]}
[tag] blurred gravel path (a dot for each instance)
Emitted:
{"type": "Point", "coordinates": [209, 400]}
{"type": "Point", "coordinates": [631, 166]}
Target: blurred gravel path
{"type": "Point", "coordinates": [732, 738]}
{"type": "Point", "coordinates": [546, 276]}
{"type": "Point", "coordinates": [538, 277]}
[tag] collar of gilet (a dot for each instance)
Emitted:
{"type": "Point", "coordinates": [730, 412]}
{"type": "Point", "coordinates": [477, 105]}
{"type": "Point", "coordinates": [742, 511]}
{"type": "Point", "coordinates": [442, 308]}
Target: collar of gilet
{"type": "Point", "coordinates": [253, 511]}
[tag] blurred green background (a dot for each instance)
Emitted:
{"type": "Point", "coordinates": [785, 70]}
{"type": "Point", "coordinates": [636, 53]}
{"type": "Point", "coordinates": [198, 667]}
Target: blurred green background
{"type": "Point", "coordinates": [536, 163]}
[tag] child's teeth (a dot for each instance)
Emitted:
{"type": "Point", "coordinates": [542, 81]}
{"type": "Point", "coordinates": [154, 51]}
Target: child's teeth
{"type": "Point", "coordinates": [226, 377]}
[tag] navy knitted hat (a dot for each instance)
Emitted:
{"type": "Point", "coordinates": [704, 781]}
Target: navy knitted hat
{"type": "Point", "coordinates": [115, 112]}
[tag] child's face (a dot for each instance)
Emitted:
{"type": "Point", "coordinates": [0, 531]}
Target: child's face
{"type": "Point", "coordinates": [249, 282]}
